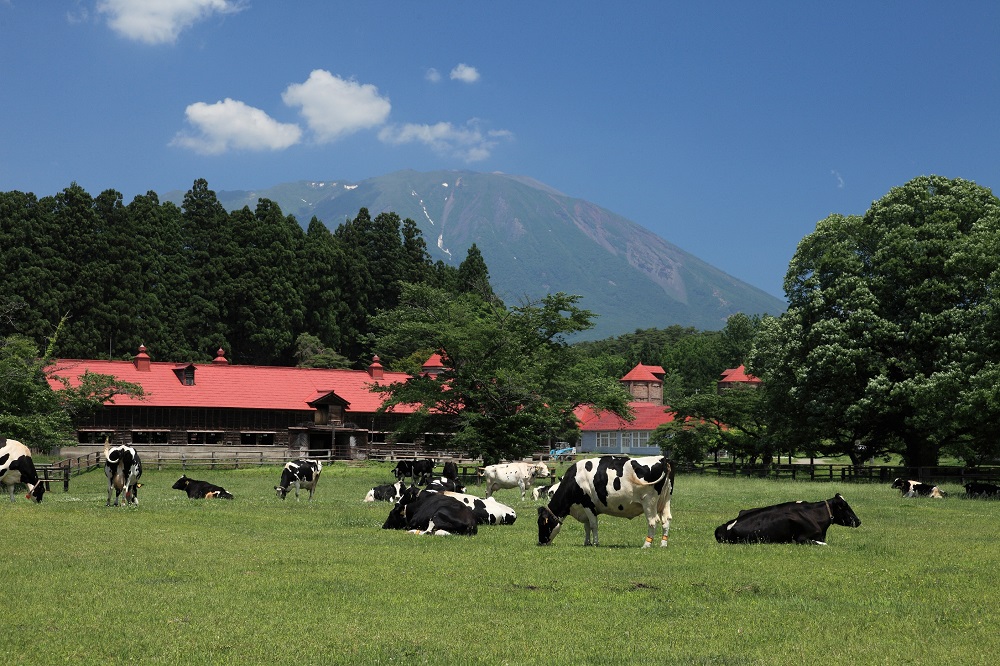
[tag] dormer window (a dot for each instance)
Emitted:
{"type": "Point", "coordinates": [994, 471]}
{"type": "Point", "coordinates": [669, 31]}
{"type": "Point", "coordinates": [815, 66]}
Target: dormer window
{"type": "Point", "coordinates": [185, 374]}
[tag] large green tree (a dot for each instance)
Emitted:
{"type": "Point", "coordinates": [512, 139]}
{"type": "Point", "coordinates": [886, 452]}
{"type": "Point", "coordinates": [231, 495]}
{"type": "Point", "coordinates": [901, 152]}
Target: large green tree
{"type": "Point", "coordinates": [511, 381]}
{"type": "Point", "coordinates": [890, 340]}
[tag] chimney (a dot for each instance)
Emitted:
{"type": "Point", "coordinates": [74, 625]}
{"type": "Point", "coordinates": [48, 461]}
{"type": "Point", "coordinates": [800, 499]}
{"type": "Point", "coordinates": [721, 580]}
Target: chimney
{"type": "Point", "coordinates": [220, 357]}
{"type": "Point", "coordinates": [375, 369]}
{"type": "Point", "coordinates": [141, 360]}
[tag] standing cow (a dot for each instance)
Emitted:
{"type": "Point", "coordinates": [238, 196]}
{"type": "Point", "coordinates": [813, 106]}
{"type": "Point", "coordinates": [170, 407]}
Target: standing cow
{"type": "Point", "coordinates": [790, 522]}
{"type": "Point", "coordinates": [513, 475]}
{"type": "Point", "coordinates": [201, 489]}
{"type": "Point", "coordinates": [123, 469]}
{"type": "Point", "coordinates": [16, 466]}
{"type": "Point", "coordinates": [615, 485]}
{"type": "Point", "coordinates": [303, 473]}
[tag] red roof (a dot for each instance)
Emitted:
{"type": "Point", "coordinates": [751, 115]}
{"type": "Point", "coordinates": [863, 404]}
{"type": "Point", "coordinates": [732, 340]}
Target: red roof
{"type": "Point", "coordinates": [647, 417]}
{"type": "Point", "coordinates": [644, 373]}
{"type": "Point", "coordinates": [233, 386]}
{"type": "Point", "coordinates": [738, 375]}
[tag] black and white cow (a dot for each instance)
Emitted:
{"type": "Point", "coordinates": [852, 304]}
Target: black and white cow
{"type": "Point", "coordinates": [16, 466]}
{"type": "Point", "coordinates": [419, 470]}
{"type": "Point", "coordinates": [201, 489]}
{"type": "Point", "coordinates": [487, 510]}
{"type": "Point", "coordinates": [538, 492]}
{"type": "Point", "coordinates": [301, 473]}
{"type": "Point", "coordinates": [432, 513]}
{"type": "Point", "coordinates": [391, 492]}
{"type": "Point", "coordinates": [916, 488]}
{"type": "Point", "coordinates": [123, 469]}
{"type": "Point", "coordinates": [981, 489]}
{"type": "Point", "coordinates": [613, 485]}
{"type": "Point", "coordinates": [443, 483]}
{"type": "Point", "coordinates": [790, 522]}
{"type": "Point", "coordinates": [450, 470]}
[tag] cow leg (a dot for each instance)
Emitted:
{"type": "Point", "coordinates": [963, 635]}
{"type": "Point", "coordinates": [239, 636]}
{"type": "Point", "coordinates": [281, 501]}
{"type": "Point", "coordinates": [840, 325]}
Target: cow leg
{"type": "Point", "coordinates": [665, 518]}
{"type": "Point", "coordinates": [11, 489]}
{"type": "Point", "coordinates": [590, 525]}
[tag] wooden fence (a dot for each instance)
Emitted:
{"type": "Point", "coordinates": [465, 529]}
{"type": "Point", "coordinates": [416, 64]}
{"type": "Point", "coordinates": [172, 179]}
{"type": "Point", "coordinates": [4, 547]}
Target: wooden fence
{"type": "Point", "coordinates": [850, 473]}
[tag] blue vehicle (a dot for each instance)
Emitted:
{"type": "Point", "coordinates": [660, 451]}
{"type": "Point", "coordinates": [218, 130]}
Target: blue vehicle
{"type": "Point", "coordinates": [563, 454]}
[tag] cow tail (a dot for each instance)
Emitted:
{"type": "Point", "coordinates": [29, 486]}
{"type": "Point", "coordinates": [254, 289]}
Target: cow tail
{"type": "Point", "coordinates": [671, 468]}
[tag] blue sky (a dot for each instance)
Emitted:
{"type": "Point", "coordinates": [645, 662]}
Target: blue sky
{"type": "Point", "coordinates": [728, 128]}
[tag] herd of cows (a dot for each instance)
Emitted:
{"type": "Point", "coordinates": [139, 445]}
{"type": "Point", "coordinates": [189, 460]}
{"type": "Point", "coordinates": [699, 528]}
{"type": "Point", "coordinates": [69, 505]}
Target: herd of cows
{"type": "Point", "coordinates": [611, 485]}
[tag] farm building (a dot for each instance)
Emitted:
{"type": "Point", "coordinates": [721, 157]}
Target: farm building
{"type": "Point", "coordinates": [236, 407]}
{"type": "Point", "coordinates": [737, 377]}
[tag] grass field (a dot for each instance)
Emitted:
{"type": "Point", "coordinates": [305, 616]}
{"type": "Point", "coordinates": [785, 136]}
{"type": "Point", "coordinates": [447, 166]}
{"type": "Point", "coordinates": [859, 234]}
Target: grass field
{"type": "Point", "coordinates": [259, 580]}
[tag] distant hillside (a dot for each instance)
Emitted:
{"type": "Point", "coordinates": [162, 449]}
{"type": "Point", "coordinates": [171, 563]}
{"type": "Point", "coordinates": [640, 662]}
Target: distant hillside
{"type": "Point", "coordinates": [535, 240]}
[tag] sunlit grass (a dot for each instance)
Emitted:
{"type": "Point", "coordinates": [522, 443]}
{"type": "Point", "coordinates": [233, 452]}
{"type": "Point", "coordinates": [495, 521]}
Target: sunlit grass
{"type": "Point", "coordinates": [261, 580]}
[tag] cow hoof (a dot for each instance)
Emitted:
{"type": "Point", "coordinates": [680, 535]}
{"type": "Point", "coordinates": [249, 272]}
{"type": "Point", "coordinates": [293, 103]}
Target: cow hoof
{"type": "Point", "coordinates": [646, 544]}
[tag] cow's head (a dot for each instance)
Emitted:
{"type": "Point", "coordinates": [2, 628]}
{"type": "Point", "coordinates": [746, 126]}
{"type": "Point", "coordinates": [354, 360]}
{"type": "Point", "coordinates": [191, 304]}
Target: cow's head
{"type": "Point", "coordinates": [36, 491]}
{"type": "Point", "coordinates": [548, 526]}
{"type": "Point", "coordinates": [842, 512]}
{"type": "Point", "coordinates": [897, 483]}
{"type": "Point", "coordinates": [182, 483]}
{"type": "Point", "coordinates": [397, 518]}
{"type": "Point", "coordinates": [541, 470]}
{"type": "Point", "coordinates": [281, 491]}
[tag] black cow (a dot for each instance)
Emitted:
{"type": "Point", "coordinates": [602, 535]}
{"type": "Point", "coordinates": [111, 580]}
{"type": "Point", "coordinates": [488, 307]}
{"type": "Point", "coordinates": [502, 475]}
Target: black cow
{"type": "Point", "coordinates": [201, 489]}
{"type": "Point", "coordinates": [432, 513]}
{"type": "Point", "coordinates": [450, 470]}
{"type": "Point", "coordinates": [790, 522]}
{"type": "Point", "coordinates": [123, 469]}
{"type": "Point", "coordinates": [981, 489]}
{"type": "Point", "coordinates": [612, 485]}
{"type": "Point", "coordinates": [916, 488]}
{"type": "Point", "coordinates": [303, 473]}
{"type": "Point", "coordinates": [420, 471]}
{"type": "Point", "coordinates": [391, 492]}
{"type": "Point", "coordinates": [16, 466]}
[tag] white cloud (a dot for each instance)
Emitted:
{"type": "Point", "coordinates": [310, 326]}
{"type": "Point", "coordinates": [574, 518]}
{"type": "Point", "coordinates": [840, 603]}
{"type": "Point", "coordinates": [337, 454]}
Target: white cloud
{"type": "Point", "coordinates": [469, 143]}
{"type": "Point", "coordinates": [840, 179]}
{"type": "Point", "coordinates": [465, 73]}
{"type": "Point", "coordinates": [232, 125]}
{"type": "Point", "coordinates": [334, 107]}
{"type": "Point", "coordinates": [433, 75]}
{"type": "Point", "coordinates": [160, 21]}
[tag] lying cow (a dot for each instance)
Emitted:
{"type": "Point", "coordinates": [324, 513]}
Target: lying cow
{"type": "Point", "coordinates": [16, 466]}
{"type": "Point", "coordinates": [613, 485]}
{"type": "Point", "coordinates": [791, 522]}
{"type": "Point", "coordinates": [513, 475]}
{"type": "Point", "coordinates": [123, 469]}
{"type": "Point", "coordinates": [916, 488]}
{"type": "Point", "coordinates": [432, 513]}
{"type": "Point", "coordinates": [390, 492]}
{"type": "Point", "coordinates": [201, 489]}
{"type": "Point", "coordinates": [443, 483]}
{"type": "Point", "coordinates": [301, 473]}
{"type": "Point", "coordinates": [537, 492]}
{"type": "Point", "coordinates": [981, 489]}
{"type": "Point", "coordinates": [487, 510]}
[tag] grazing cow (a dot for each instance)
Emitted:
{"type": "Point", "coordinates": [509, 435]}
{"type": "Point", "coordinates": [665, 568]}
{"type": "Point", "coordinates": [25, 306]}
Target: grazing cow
{"type": "Point", "coordinates": [432, 513]}
{"type": "Point", "coordinates": [487, 510]}
{"type": "Point", "coordinates": [301, 473]}
{"type": "Point", "coordinates": [548, 491]}
{"type": "Point", "coordinates": [615, 485]}
{"type": "Point", "coordinates": [513, 475]}
{"type": "Point", "coordinates": [123, 469]}
{"type": "Point", "coordinates": [16, 466]}
{"type": "Point", "coordinates": [443, 483]}
{"type": "Point", "coordinates": [981, 489]}
{"type": "Point", "coordinates": [419, 470]}
{"type": "Point", "coordinates": [915, 488]}
{"type": "Point", "coordinates": [790, 522]}
{"type": "Point", "coordinates": [450, 470]}
{"type": "Point", "coordinates": [201, 489]}
{"type": "Point", "coordinates": [390, 492]}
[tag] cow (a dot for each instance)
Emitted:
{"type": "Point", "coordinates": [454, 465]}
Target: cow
{"type": "Point", "coordinates": [123, 469]}
{"type": "Point", "coordinates": [513, 475]}
{"type": "Point", "coordinates": [487, 510]}
{"type": "Point", "coordinates": [301, 473]}
{"type": "Point", "coordinates": [16, 466]}
{"type": "Point", "coordinates": [614, 485]}
{"type": "Point", "coordinates": [981, 489]}
{"type": "Point", "coordinates": [450, 470]}
{"type": "Point", "coordinates": [201, 489]}
{"type": "Point", "coordinates": [548, 491]}
{"type": "Point", "coordinates": [419, 470]}
{"type": "Point", "coordinates": [443, 483]}
{"type": "Point", "coordinates": [432, 513]}
{"type": "Point", "coordinates": [390, 492]}
{"type": "Point", "coordinates": [790, 522]}
{"type": "Point", "coordinates": [916, 488]}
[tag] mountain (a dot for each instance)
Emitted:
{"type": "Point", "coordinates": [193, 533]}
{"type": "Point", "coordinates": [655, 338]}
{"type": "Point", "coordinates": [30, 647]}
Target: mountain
{"type": "Point", "coordinates": [535, 240]}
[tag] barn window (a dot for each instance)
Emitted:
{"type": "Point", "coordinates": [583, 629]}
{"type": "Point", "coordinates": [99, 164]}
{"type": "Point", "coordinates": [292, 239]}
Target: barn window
{"type": "Point", "coordinates": [150, 436]}
{"type": "Point", "coordinates": [203, 437]}
{"type": "Point", "coordinates": [257, 438]}
{"type": "Point", "coordinates": [94, 436]}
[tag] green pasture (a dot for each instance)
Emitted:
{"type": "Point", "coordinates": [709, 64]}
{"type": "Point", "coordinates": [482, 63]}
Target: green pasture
{"type": "Point", "coordinates": [262, 581]}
